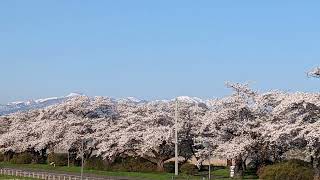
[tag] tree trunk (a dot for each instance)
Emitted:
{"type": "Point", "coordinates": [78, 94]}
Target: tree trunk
{"type": "Point", "coordinates": [238, 169]}
{"type": "Point", "coordinates": [244, 165]}
{"type": "Point", "coordinates": [160, 166]}
{"type": "Point", "coordinates": [159, 161]}
{"type": "Point", "coordinates": [316, 167]}
{"type": "Point", "coordinates": [8, 155]}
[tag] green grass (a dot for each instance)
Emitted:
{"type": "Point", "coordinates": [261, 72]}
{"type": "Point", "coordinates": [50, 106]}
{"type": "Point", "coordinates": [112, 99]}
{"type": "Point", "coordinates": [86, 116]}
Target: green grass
{"type": "Point", "coordinates": [75, 169]}
{"type": "Point", "coordinates": [250, 174]}
{"type": "Point", "coordinates": [222, 174]}
{"type": "Point", "coordinates": [7, 177]}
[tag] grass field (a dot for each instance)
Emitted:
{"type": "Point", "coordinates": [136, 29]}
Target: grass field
{"type": "Point", "coordinates": [221, 174]}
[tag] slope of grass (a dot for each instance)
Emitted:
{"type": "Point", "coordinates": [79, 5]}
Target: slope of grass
{"type": "Point", "coordinates": [75, 169]}
{"type": "Point", "coordinates": [222, 174]}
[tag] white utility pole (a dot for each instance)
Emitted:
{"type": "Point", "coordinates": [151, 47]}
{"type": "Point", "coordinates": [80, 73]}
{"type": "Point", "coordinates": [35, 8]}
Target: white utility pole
{"type": "Point", "coordinates": [176, 169]}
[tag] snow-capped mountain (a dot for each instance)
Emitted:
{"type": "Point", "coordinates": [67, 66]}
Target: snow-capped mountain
{"type": "Point", "coordinates": [21, 106]}
{"type": "Point", "coordinates": [130, 100]}
{"type": "Point", "coordinates": [33, 104]}
{"type": "Point", "coordinates": [188, 99]}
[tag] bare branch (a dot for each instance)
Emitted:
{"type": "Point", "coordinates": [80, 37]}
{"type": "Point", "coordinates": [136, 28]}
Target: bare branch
{"type": "Point", "coordinates": [314, 72]}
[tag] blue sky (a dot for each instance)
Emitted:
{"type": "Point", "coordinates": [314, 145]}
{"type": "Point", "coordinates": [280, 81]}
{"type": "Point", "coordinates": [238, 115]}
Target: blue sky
{"type": "Point", "coordinates": [155, 49]}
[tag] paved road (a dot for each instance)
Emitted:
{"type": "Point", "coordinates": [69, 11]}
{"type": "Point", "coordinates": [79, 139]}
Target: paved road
{"type": "Point", "coordinates": [56, 175]}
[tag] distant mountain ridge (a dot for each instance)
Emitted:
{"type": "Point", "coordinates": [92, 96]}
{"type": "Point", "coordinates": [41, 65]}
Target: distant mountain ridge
{"type": "Point", "coordinates": [22, 106]}
{"type": "Point", "coordinates": [33, 104]}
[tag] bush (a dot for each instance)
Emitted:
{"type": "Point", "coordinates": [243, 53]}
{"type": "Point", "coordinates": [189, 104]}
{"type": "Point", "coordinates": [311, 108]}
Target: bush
{"type": "Point", "coordinates": [95, 163]}
{"type": "Point", "coordinates": [22, 158]}
{"type": "Point", "coordinates": [189, 169]}
{"type": "Point", "coordinates": [169, 167]}
{"type": "Point", "coordinates": [60, 159]}
{"type": "Point", "coordinates": [289, 170]}
{"type": "Point", "coordinates": [132, 164]}
{"type": "Point", "coordinates": [7, 156]}
{"type": "Point", "coordinates": [1, 157]}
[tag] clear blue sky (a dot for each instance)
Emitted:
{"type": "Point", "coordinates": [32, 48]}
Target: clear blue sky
{"type": "Point", "coordinates": [155, 49]}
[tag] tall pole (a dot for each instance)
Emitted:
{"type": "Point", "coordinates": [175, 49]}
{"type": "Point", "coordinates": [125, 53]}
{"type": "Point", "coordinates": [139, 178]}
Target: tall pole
{"type": "Point", "coordinates": [176, 164]}
{"type": "Point", "coordinates": [82, 152]}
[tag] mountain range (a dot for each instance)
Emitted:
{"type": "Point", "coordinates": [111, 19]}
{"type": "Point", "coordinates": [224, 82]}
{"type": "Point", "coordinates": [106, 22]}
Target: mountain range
{"type": "Point", "coordinates": [21, 106]}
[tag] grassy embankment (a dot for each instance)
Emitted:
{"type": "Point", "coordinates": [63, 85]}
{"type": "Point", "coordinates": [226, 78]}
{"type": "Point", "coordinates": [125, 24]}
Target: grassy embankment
{"type": "Point", "coordinates": [220, 174]}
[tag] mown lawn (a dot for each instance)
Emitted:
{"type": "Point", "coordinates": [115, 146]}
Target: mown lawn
{"type": "Point", "coordinates": [76, 169]}
{"type": "Point", "coordinates": [221, 174]}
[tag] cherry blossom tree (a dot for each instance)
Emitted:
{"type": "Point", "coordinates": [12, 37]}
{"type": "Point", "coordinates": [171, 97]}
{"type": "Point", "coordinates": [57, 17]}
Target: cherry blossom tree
{"type": "Point", "coordinates": [229, 123]}
{"type": "Point", "coordinates": [55, 127]}
{"type": "Point", "coordinates": [246, 125]}
{"type": "Point", "coordinates": [147, 131]}
{"type": "Point", "coordinates": [294, 125]}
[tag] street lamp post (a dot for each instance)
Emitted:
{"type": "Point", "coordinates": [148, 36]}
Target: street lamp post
{"type": "Point", "coordinates": [176, 169]}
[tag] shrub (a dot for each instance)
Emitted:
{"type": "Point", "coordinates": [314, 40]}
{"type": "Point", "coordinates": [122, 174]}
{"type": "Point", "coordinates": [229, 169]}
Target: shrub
{"type": "Point", "coordinates": [7, 156]}
{"type": "Point", "coordinates": [289, 170]}
{"type": "Point", "coordinates": [133, 164]}
{"type": "Point", "coordinates": [169, 167]}
{"type": "Point", "coordinates": [22, 158]}
{"type": "Point", "coordinates": [95, 163]}
{"type": "Point", "coordinates": [1, 157]}
{"type": "Point", "coordinates": [189, 169]}
{"type": "Point", "coordinates": [60, 159]}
